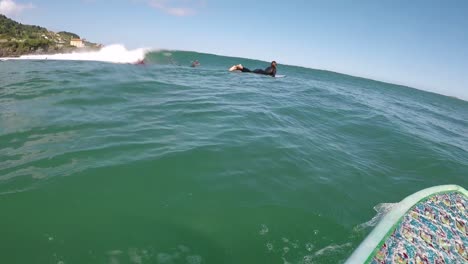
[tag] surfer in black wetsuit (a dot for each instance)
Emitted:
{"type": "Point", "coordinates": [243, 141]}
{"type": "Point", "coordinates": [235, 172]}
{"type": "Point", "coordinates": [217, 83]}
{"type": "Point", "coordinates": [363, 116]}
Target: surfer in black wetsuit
{"type": "Point", "coordinates": [268, 71]}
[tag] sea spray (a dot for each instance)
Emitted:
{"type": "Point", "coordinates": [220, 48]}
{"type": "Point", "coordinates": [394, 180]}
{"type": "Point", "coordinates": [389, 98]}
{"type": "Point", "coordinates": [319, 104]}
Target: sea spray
{"type": "Point", "coordinates": [115, 53]}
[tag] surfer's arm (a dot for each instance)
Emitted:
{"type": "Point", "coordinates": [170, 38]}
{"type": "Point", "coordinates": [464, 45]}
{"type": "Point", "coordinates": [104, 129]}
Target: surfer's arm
{"type": "Point", "coordinates": [270, 71]}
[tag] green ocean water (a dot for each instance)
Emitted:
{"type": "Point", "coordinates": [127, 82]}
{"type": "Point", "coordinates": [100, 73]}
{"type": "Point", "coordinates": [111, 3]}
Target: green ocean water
{"type": "Point", "coordinates": [164, 163]}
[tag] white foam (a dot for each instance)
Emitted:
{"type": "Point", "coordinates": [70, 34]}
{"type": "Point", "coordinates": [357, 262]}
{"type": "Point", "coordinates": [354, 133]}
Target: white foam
{"type": "Point", "coordinates": [382, 210]}
{"type": "Point", "coordinates": [309, 247]}
{"type": "Point", "coordinates": [195, 259]}
{"type": "Point", "coordinates": [264, 230]}
{"type": "Point", "coordinates": [115, 53]}
{"type": "Point", "coordinates": [331, 249]}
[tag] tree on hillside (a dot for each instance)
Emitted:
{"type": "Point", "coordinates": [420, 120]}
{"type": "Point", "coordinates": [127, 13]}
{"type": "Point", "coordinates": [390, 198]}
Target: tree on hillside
{"type": "Point", "coordinates": [68, 34]}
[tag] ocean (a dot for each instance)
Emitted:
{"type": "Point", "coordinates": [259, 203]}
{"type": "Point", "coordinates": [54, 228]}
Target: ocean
{"type": "Point", "coordinates": [113, 163]}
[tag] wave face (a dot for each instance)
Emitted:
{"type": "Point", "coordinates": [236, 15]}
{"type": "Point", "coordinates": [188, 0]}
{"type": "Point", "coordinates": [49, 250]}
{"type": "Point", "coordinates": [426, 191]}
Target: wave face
{"type": "Point", "coordinates": [164, 163]}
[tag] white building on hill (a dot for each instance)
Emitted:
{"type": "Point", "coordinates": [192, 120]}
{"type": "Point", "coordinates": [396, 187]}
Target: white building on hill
{"type": "Point", "coordinates": [77, 43]}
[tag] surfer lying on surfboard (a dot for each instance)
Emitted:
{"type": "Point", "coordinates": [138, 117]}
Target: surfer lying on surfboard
{"type": "Point", "coordinates": [268, 71]}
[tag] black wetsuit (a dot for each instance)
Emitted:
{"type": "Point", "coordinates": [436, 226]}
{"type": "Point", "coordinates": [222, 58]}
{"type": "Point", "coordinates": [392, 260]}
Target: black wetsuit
{"type": "Point", "coordinates": [268, 71]}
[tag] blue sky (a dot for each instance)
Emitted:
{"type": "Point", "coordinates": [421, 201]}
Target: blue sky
{"type": "Point", "coordinates": [419, 43]}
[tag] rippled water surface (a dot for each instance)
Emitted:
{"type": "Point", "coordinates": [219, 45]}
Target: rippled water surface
{"type": "Point", "coordinates": [163, 163]}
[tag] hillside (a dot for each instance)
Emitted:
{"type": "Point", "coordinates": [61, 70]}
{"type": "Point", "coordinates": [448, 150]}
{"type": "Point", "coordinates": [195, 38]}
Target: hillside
{"type": "Point", "coordinates": [17, 39]}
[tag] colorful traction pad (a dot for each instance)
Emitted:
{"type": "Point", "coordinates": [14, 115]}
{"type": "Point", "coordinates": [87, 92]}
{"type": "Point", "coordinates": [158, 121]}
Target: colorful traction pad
{"type": "Point", "coordinates": [434, 231]}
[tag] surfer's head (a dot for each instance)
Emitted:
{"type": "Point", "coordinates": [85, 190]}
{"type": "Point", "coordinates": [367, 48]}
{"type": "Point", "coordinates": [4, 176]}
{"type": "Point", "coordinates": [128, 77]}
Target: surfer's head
{"type": "Point", "coordinates": [273, 64]}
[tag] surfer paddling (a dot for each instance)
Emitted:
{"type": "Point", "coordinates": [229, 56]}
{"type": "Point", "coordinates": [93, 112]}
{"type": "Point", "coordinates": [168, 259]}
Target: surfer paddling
{"type": "Point", "coordinates": [271, 71]}
{"type": "Point", "coordinates": [195, 63]}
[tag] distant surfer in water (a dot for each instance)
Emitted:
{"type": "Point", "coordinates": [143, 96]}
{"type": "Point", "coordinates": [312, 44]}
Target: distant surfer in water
{"type": "Point", "coordinates": [268, 71]}
{"type": "Point", "coordinates": [140, 62]}
{"type": "Point", "coordinates": [195, 63]}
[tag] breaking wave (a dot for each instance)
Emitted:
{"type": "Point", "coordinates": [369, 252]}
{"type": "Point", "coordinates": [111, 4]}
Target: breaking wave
{"type": "Point", "coordinates": [113, 53]}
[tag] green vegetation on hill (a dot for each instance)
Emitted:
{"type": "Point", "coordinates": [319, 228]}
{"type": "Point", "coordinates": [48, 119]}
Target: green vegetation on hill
{"type": "Point", "coordinates": [11, 28]}
{"type": "Point", "coordinates": [66, 34]}
{"type": "Point", "coordinates": [17, 39]}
